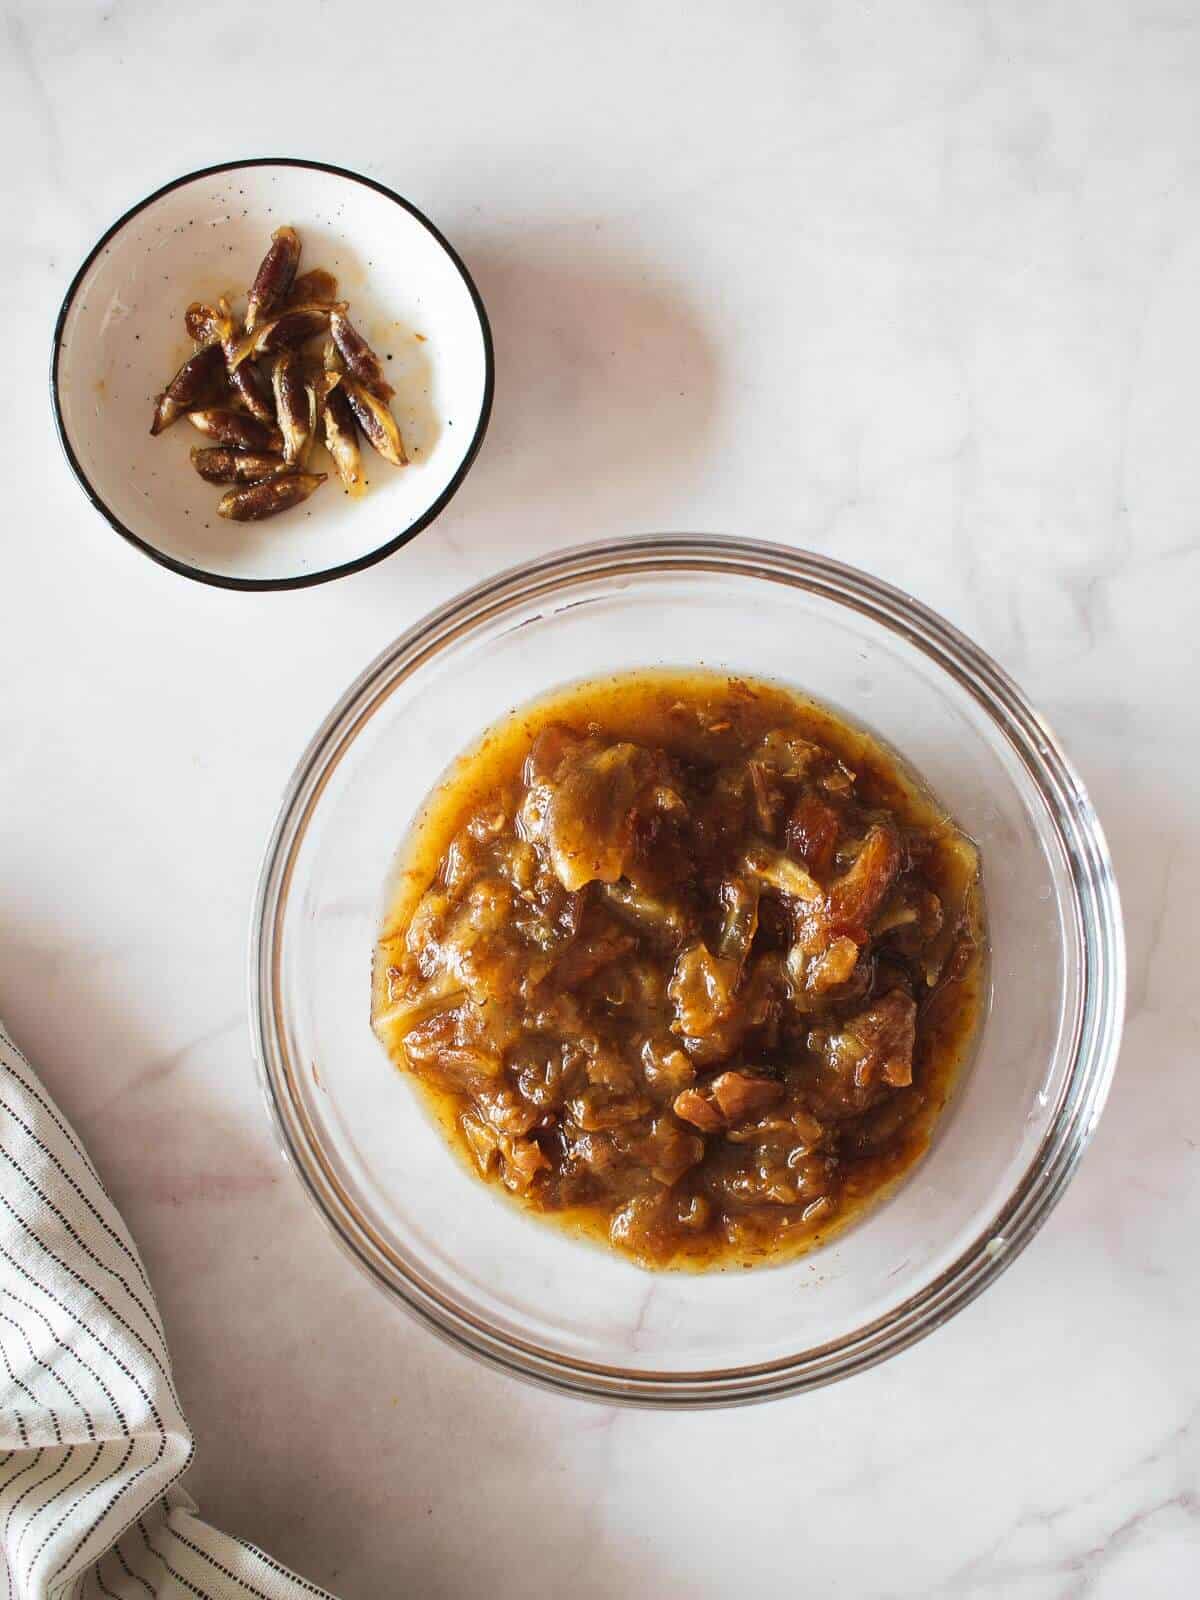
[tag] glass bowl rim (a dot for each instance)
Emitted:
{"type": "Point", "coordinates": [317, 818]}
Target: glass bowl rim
{"type": "Point", "coordinates": [1095, 1027]}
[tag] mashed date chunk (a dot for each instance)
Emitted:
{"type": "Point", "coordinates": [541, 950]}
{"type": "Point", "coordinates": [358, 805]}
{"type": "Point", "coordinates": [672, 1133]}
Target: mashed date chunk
{"type": "Point", "coordinates": [686, 962]}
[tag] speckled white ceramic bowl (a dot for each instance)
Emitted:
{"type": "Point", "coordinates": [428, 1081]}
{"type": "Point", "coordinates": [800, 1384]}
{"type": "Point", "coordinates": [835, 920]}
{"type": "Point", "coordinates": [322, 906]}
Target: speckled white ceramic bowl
{"type": "Point", "coordinates": [120, 337]}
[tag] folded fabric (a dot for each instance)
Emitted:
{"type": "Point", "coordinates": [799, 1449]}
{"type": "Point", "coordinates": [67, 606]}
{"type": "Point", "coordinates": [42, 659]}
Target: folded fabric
{"type": "Point", "coordinates": [93, 1441]}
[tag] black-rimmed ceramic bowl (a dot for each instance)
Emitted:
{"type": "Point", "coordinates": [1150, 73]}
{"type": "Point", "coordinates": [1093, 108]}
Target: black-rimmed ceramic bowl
{"type": "Point", "coordinates": [120, 336]}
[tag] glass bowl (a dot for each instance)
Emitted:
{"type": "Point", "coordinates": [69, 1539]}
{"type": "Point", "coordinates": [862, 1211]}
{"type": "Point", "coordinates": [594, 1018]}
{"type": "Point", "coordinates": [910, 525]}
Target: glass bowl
{"type": "Point", "coordinates": [523, 1295]}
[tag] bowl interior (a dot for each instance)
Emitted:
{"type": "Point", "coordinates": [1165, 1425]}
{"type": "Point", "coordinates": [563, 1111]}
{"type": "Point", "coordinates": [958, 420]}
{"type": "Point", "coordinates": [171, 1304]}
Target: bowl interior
{"type": "Point", "coordinates": [123, 338]}
{"type": "Point", "coordinates": [407, 1208]}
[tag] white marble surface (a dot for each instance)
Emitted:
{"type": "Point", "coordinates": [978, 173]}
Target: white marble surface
{"type": "Point", "coordinates": [914, 284]}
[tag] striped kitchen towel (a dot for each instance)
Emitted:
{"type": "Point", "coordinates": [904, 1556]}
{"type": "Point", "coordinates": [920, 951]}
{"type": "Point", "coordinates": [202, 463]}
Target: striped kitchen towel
{"type": "Point", "coordinates": [93, 1442]}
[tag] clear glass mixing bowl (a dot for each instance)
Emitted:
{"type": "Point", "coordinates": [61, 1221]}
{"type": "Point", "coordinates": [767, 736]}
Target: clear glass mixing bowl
{"type": "Point", "coordinates": [522, 1295]}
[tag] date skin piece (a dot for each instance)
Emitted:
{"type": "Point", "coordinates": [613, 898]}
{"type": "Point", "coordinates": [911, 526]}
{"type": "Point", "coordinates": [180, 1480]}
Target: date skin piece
{"type": "Point", "coordinates": [360, 360]}
{"type": "Point", "coordinates": [215, 325]}
{"type": "Point", "coordinates": [258, 501]}
{"type": "Point", "coordinates": [194, 382]}
{"type": "Point", "coordinates": [376, 421]}
{"type": "Point", "coordinates": [315, 287]}
{"type": "Point", "coordinates": [274, 277]}
{"type": "Point", "coordinates": [295, 406]}
{"type": "Point", "coordinates": [341, 440]}
{"type": "Point", "coordinates": [236, 430]}
{"type": "Point", "coordinates": [288, 331]}
{"type": "Point", "coordinates": [208, 324]}
{"type": "Point", "coordinates": [221, 465]}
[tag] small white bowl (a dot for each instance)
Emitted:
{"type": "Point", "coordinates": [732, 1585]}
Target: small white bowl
{"type": "Point", "coordinates": [120, 337]}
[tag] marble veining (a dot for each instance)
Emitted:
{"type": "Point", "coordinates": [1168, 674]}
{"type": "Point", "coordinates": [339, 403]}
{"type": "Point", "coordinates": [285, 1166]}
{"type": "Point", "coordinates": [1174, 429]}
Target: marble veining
{"type": "Point", "coordinates": [913, 285]}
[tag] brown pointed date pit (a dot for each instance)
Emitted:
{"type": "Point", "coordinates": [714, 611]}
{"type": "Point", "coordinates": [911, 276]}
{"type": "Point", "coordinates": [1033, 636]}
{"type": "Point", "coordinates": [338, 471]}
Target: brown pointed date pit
{"type": "Point", "coordinates": [359, 359]}
{"type": "Point", "coordinates": [259, 501]}
{"type": "Point", "coordinates": [274, 277]}
{"type": "Point", "coordinates": [195, 381]}
{"type": "Point", "coordinates": [295, 406]}
{"type": "Point", "coordinates": [341, 440]}
{"type": "Point", "coordinates": [236, 429]}
{"type": "Point", "coordinates": [376, 421]}
{"type": "Point", "coordinates": [221, 465]}
{"type": "Point", "coordinates": [247, 383]}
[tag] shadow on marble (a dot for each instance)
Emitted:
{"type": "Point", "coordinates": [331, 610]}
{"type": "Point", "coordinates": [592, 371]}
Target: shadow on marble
{"type": "Point", "coordinates": [1145, 818]}
{"type": "Point", "coordinates": [607, 407]}
{"type": "Point", "coordinates": [1146, 1143]}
